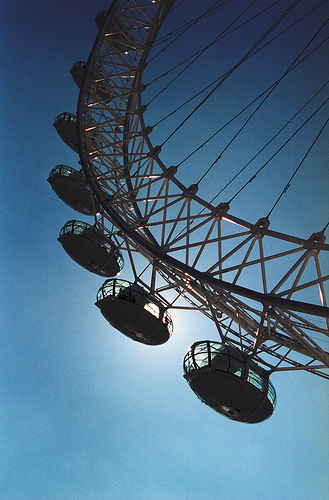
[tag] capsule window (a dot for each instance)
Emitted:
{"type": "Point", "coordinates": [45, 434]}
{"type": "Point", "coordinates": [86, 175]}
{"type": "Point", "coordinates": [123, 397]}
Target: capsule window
{"type": "Point", "coordinates": [112, 288]}
{"type": "Point", "coordinates": [129, 293]}
{"type": "Point", "coordinates": [116, 286]}
{"type": "Point", "coordinates": [106, 245]}
{"type": "Point", "coordinates": [152, 308]}
{"type": "Point", "coordinates": [216, 348]}
{"type": "Point", "coordinates": [79, 227]}
{"type": "Point", "coordinates": [201, 355]}
{"type": "Point", "coordinates": [106, 290]}
{"type": "Point", "coordinates": [121, 290]}
{"type": "Point", "coordinates": [119, 258]}
{"type": "Point", "coordinates": [64, 171]}
{"type": "Point", "coordinates": [79, 64]}
{"type": "Point", "coordinates": [235, 367]}
{"type": "Point", "coordinates": [271, 393]}
{"type": "Point", "coordinates": [256, 380]}
{"type": "Point", "coordinates": [68, 117]}
{"type": "Point", "coordinates": [201, 359]}
{"type": "Point", "coordinates": [188, 362]}
{"type": "Point", "coordinates": [166, 320]}
{"type": "Point", "coordinates": [219, 361]}
{"type": "Point", "coordinates": [219, 358]}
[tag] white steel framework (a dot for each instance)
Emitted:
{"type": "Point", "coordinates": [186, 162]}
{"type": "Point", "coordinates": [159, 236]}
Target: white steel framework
{"type": "Point", "coordinates": [196, 255]}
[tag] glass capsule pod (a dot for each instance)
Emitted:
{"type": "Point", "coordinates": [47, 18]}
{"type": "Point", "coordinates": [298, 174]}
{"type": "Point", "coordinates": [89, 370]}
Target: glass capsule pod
{"type": "Point", "coordinates": [119, 35]}
{"type": "Point", "coordinates": [91, 249]}
{"type": "Point", "coordinates": [230, 383]}
{"type": "Point", "coordinates": [100, 89]}
{"type": "Point", "coordinates": [66, 127]}
{"type": "Point", "coordinates": [69, 185]}
{"type": "Point", "coordinates": [134, 312]}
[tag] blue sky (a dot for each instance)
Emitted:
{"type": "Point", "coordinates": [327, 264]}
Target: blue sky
{"type": "Point", "coordinates": [85, 412]}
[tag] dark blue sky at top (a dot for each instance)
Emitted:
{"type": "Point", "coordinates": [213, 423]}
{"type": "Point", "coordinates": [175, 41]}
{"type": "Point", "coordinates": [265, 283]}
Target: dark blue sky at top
{"type": "Point", "coordinates": [85, 412]}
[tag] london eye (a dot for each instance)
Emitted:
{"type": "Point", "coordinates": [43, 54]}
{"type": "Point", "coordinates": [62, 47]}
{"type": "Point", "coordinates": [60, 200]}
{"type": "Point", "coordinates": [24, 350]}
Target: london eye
{"type": "Point", "coordinates": [181, 205]}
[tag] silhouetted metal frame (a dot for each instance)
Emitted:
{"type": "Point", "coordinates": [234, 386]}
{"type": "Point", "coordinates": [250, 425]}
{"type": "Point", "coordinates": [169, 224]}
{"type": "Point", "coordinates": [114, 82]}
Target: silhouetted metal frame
{"type": "Point", "coordinates": [154, 252]}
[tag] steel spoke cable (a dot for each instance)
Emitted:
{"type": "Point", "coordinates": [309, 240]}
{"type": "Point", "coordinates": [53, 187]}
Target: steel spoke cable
{"type": "Point", "coordinates": [252, 178]}
{"type": "Point", "coordinates": [199, 148]}
{"type": "Point", "coordinates": [131, 153]}
{"type": "Point", "coordinates": [186, 102]}
{"type": "Point", "coordinates": [263, 101]}
{"type": "Point", "coordinates": [325, 227]}
{"type": "Point", "coordinates": [120, 188]}
{"type": "Point", "coordinates": [182, 31]}
{"type": "Point", "coordinates": [162, 39]}
{"type": "Point", "coordinates": [246, 107]}
{"type": "Point", "coordinates": [219, 37]}
{"type": "Point", "coordinates": [199, 53]}
{"type": "Point", "coordinates": [286, 142]}
{"type": "Point", "coordinates": [269, 142]}
{"type": "Point", "coordinates": [177, 32]}
{"type": "Point", "coordinates": [238, 114]}
{"type": "Point", "coordinates": [230, 72]}
{"type": "Point", "coordinates": [251, 55]}
{"type": "Point", "coordinates": [285, 189]}
{"type": "Point", "coordinates": [201, 211]}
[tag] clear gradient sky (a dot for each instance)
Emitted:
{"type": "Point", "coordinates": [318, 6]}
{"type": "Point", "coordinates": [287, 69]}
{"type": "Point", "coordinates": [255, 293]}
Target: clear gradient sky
{"type": "Point", "coordinates": [87, 414]}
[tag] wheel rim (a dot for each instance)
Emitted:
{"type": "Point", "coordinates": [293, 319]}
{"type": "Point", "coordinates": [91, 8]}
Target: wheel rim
{"type": "Point", "coordinates": [175, 230]}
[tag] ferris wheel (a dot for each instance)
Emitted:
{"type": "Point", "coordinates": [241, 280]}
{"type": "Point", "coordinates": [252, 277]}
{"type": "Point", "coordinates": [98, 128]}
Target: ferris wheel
{"type": "Point", "coordinates": [264, 290]}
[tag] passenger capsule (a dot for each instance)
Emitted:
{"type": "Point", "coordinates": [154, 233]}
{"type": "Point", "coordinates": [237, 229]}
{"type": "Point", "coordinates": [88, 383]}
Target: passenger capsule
{"type": "Point", "coordinates": [100, 90]}
{"type": "Point", "coordinates": [66, 127]}
{"type": "Point", "coordinates": [78, 72]}
{"type": "Point", "coordinates": [100, 19]}
{"type": "Point", "coordinates": [227, 381]}
{"type": "Point", "coordinates": [118, 34]}
{"type": "Point", "coordinates": [134, 312]}
{"type": "Point", "coordinates": [70, 186]}
{"type": "Point", "coordinates": [91, 249]}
